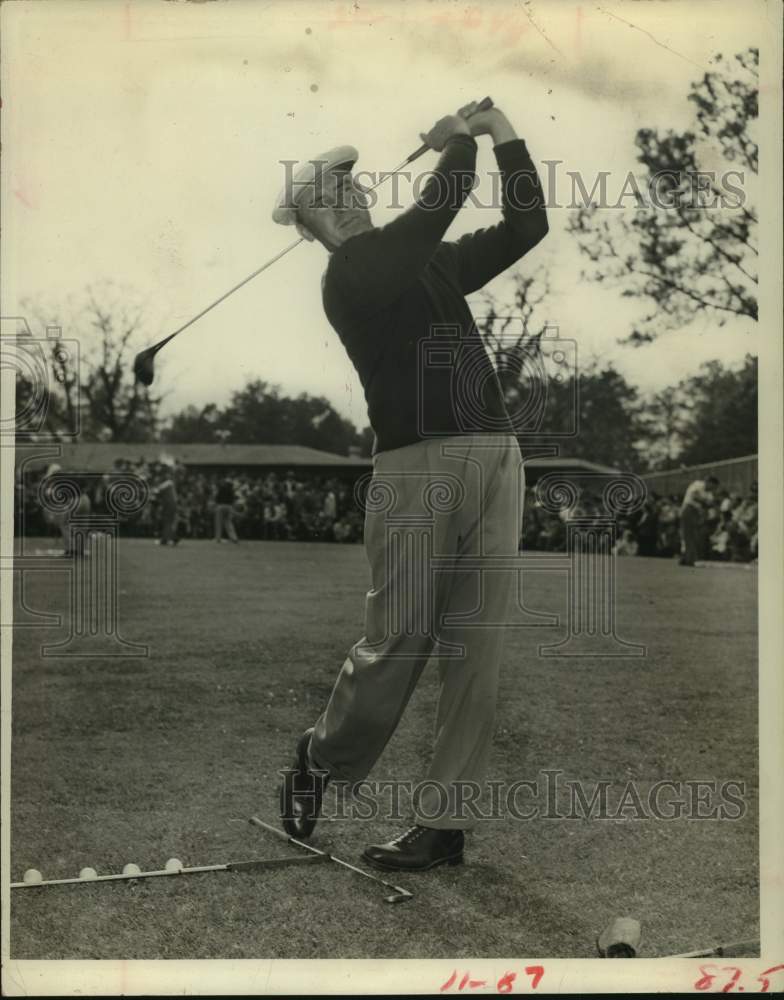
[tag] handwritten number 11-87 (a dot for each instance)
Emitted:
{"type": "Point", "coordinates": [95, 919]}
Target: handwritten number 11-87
{"type": "Point", "coordinates": [504, 984]}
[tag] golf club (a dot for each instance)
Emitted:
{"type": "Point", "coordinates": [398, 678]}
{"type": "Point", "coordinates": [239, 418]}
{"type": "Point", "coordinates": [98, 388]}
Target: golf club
{"type": "Point", "coordinates": [399, 895]}
{"type": "Point", "coordinates": [728, 950]}
{"type": "Point", "coordinates": [144, 362]}
{"type": "Point", "coordinates": [484, 105]}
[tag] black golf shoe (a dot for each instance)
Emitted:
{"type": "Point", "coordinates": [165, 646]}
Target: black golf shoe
{"type": "Point", "coordinates": [301, 793]}
{"type": "Point", "coordinates": [417, 850]}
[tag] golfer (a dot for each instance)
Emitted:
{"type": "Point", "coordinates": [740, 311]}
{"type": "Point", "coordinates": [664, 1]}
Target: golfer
{"type": "Point", "coordinates": [225, 498]}
{"type": "Point", "coordinates": [698, 497]}
{"type": "Point", "coordinates": [166, 494]}
{"type": "Point", "coordinates": [447, 482]}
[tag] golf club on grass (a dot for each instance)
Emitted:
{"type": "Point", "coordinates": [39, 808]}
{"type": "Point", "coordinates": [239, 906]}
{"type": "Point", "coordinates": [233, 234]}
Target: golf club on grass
{"type": "Point", "coordinates": [144, 362]}
{"type": "Point", "coordinates": [399, 894]}
{"type": "Point", "coordinates": [729, 950]}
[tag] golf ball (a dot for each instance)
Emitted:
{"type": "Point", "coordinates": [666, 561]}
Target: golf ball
{"type": "Point", "coordinates": [32, 876]}
{"type": "Point", "coordinates": [131, 869]}
{"type": "Point", "coordinates": [174, 865]}
{"type": "Point", "coordinates": [88, 873]}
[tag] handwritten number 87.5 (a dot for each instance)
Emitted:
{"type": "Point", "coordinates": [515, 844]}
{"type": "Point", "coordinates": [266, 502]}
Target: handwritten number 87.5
{"type": "Point", "coordinates": [708, 978]}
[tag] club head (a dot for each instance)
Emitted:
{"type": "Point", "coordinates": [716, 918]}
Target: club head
{"type": "Point", "coordinates": [400, 896]}
{"type": "Point", "coordinates": [144, 366]}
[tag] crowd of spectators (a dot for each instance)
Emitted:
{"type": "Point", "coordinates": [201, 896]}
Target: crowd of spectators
{"type": "Point", "coordinates": [306, 507]}
{"type": "Point", "coordinates": [725, 527]}
{"type": "Point", "coordinates": [267, 505]}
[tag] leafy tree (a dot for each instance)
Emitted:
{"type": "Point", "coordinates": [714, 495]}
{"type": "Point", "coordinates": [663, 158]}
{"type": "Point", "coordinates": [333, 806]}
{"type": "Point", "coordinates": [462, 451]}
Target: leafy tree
{"type": "Point", "coordinates": [608, 416]}
{"type": "Point", "coordinates": [196, 425]}
{"type": "Point", "coordinates": [664, 420]}
{"type": "Point", "coordinates": [724, 413]}
{"type": "Point", "coordinates": [608, 408]}
{"type": "Point", "coordinates": [691, 245]}
{"type": "Point", "coordinates": [258, 413]}
{"type": "Point", "coordinates": [706, 417]}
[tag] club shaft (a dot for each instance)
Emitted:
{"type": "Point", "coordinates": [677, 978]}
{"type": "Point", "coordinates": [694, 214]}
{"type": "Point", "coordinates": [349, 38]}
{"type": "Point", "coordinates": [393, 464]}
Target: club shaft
{"type": "Point", "coordinates": [231, 291]}
{"type": "Point", "coordinates": [308, 847]}
{"type": "Point", "coordinates": [105, 878]}
{"type": "Point", "coordinates": [717, 951]}
{"type": "Point", "coordinates": [280, 834]}
{"type": "Point", "coordinates": [195, 870]}
{"type": "Point", "coordinates": [309, 859]}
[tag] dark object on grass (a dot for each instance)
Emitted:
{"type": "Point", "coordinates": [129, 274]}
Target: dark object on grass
{"type": "Point", "coordinates": [620, 939]}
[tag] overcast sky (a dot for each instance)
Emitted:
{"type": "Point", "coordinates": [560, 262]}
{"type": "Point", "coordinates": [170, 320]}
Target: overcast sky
{"type": "Point", "coordinates": [142, 144]}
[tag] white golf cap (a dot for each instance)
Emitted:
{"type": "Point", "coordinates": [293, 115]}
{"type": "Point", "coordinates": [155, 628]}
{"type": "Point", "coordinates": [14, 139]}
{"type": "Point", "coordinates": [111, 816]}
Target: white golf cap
{"type": "Point", "coordinates": [298, 180]}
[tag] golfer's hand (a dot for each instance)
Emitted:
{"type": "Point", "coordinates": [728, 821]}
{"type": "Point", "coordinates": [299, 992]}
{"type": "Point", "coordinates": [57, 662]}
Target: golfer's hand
{"type": "Point", "coordinates": [443, 130]}
{"type": "Point", "coordinates": [491, 122]}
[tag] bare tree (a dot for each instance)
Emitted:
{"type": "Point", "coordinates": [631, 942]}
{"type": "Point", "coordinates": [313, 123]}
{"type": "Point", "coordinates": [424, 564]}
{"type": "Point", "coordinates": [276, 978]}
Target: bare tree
{"type": "Point", "coordinates": [109, 325]}
{"type": "Point", "coordinates": [512, 333]}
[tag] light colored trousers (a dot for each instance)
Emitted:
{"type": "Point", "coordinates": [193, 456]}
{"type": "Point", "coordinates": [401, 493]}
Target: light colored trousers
{"type": "Point", "coordinates": [169, 524]}
{"type": "Point", "coordinates": [438, 513]}
{"type": "Point", "coordinates": [224, 519]}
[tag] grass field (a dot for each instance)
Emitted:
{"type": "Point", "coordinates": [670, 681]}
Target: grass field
{"type": "Point", "coordinates": [118, 760]}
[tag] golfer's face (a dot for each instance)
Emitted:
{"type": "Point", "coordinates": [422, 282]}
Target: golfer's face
{"type": "Point", "coordinates": [335, 209]}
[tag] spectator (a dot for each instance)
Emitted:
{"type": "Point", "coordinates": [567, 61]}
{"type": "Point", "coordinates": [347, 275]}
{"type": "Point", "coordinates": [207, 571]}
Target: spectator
{"type": "Point", "coordinates": [721, 536]}
{"type": "Point", "coordinates": [669, 540]}
{"type": "Point", "coordinates": [225, 498]}
{"type": "Point", "coordinates": [165, 492]}
{"type": "Point", "coordinates": [330, 505]}
{"type": "Point", "coordinates": [626, 544]}
{"type": "Point", "coordinates": [697, 500]}
{"type": "Point", "coordinates": [645, 524]}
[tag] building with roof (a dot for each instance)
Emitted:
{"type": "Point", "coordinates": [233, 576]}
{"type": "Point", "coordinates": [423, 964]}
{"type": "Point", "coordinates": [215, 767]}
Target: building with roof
{"type": "Point", "coordinates": [87, 456]}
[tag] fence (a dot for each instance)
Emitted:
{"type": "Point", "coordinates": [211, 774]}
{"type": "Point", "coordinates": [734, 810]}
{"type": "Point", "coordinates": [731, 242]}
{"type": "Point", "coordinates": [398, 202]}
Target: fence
{"type": "Point", "coordinates": [734, 474]}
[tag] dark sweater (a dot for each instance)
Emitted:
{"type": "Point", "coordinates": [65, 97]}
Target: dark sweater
{"type": "Point", "coordinates": [225, 492]}
{"type": "Point", "coordinates": [384, 292]}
